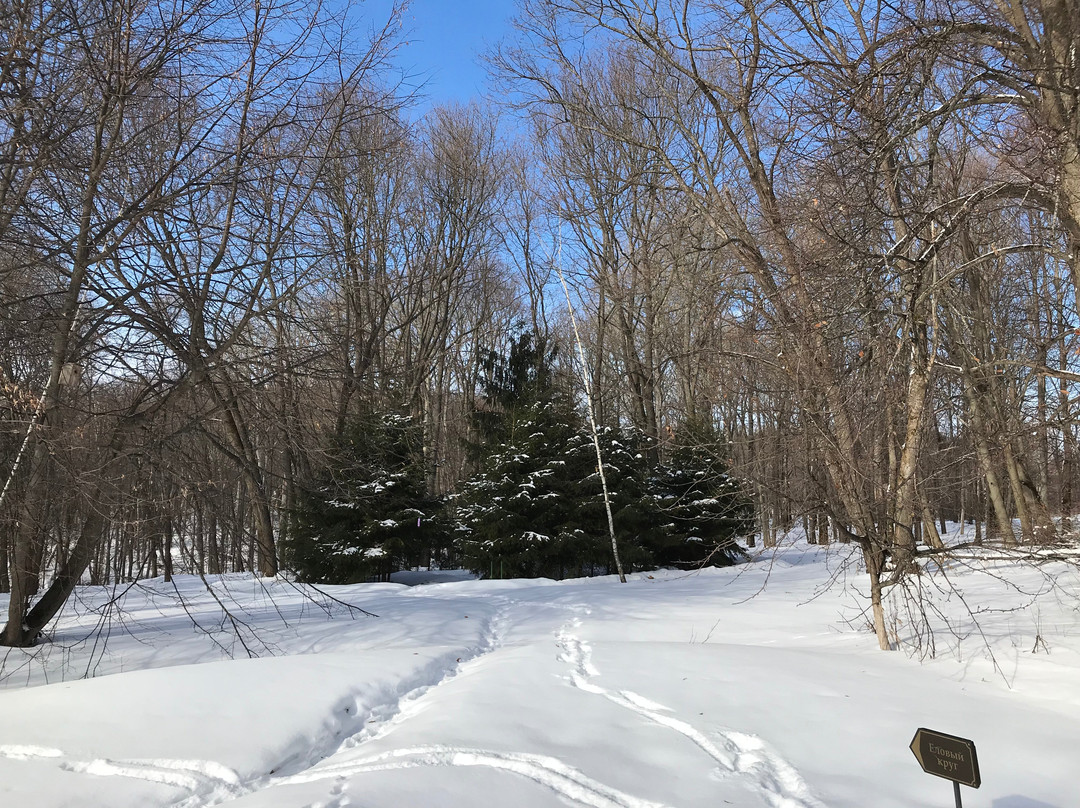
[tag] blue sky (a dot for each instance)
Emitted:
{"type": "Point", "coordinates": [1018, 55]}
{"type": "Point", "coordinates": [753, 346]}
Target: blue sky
{"type": "Point", "coordinates": [444, 39]}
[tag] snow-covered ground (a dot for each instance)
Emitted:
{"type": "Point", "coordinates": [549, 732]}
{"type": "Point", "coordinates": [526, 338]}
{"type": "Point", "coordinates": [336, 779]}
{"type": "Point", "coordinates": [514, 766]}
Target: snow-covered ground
{"type": "Point", "coordinates": [759, 685]}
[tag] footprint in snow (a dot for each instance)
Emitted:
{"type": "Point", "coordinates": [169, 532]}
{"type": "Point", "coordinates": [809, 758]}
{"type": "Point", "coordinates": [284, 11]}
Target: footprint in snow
{"type": "Point", "coordinates": [778, 782]}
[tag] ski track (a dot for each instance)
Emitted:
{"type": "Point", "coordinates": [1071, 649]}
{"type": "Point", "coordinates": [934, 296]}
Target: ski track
{"type": "Point", "coordinates": [387, 717]}
{"type": "Point", "coordinates": [25, 752]}
{"type": "Point", "coordinates": [202, 779]}
{"type": "Point", "coordinates": [737, 753]}
{"type": "Point", "coordinates": [547, 771]}
{"type": "Point", "coordinates": [208, 783]}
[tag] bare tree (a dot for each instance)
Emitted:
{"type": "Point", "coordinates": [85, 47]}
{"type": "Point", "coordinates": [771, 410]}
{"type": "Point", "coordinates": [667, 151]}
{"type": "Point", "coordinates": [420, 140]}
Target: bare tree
{"type": "Point", "coordinates": [163, 268]}
{"type": "Point", "coordinates": [829, 163]}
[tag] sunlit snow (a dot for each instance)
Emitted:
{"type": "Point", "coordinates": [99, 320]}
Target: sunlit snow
{"type": "Point", "coordinates": [753, 686]}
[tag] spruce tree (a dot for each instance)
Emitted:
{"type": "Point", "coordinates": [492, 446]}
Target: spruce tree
{"type": "Point", "coordinates": [536, 508]}
{"type": "Point", "coordinates": [369, 515]}
{"type": "Point", "coordinates": [520, 515]}
{"type": "Point", "coordinates": [632, 514]}
{"type": "Point", "coordinates": [699, 510]}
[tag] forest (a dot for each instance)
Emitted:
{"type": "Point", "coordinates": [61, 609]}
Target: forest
{"type": "Point", "coordinates": [775, 262]}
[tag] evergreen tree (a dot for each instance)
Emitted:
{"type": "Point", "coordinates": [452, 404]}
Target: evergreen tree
{"type": "Point", "coordinates": [519, 515]}
{"type": "Point", "coordinates": [698, 508]}
{"type": "Point", "coordinates": [536, 506]}
{"type": "Point", "coordinates": [519, 511]}
{"type": "Point", "coordinates": [632, 514]}
{"type": "Point", "coordinates": [511, 387]}
{"type": "Point", "coordinates": [370, 515]}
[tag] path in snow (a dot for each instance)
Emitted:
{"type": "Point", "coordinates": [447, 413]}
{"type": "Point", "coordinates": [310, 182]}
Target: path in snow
{"type": "Point", "coordinates": [209, 783]}
{"type": "Point", "coordinates": [379, 720]}
{"type": "Point", "coordinates": [459, 698]}
{"type": "Point", "coordinates": [738, 753]}
{"type": "Point", "coordinates": [206, 782]}
{"type": "Point", "coordinates": [545, 770]}
{"type": "Point", "coordinates": [384, 719]}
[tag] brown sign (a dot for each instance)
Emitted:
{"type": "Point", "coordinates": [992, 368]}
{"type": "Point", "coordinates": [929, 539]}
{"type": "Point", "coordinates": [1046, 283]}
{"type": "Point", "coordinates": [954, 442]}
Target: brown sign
{"type": "Point", "coordinates": [947, 756]}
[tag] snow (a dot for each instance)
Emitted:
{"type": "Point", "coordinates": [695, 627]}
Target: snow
{"type": "Point", "coordinates": [344, 504]}
{"type": "Point", "coordinates": [756, 685]}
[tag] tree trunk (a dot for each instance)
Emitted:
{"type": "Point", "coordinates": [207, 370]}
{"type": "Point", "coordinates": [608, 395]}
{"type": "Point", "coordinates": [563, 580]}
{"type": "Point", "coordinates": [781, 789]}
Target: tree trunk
{"type": "Point", "coordinates": [5, 581]}
{"type": "Point", "coordinates": [906, 496]}
{"type": "Point", "coordinates": [982, 451]}
{"type": "Point", "coordinates": [167, 558]}
{"type": "Point", "coordinates": [26, 558]}
{"type": "Point", "coordinates": [875, 563]}
{"type": "Point", "coordinates": [67, 578]}
{"type": "Point", "coordinates": [933, 538]}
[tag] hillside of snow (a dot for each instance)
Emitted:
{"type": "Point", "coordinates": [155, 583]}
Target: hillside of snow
{"type": "Point", "coordinates": [757, 685]}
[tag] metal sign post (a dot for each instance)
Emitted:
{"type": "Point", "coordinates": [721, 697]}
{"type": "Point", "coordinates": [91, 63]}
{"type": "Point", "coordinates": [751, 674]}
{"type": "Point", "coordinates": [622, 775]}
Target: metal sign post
{"type": "Point", "coordinates": [947, 756]}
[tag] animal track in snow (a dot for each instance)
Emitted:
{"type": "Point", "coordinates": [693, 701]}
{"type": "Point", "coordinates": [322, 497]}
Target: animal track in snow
{"type": "Point", "coordinates": [204, 779]}
{"type": "Point", "coordinates": [27, 752]}
{"type": "Point", "coordinates": [777, 780]}
{"type": "Point", "coordinates": [384, 718]}
{"type": "Point", "coordinates": [338, 797]}
{"type": "Point", "coordinates": [208, 783]}
{"type": "Point", "coordinates": [548, 771]}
